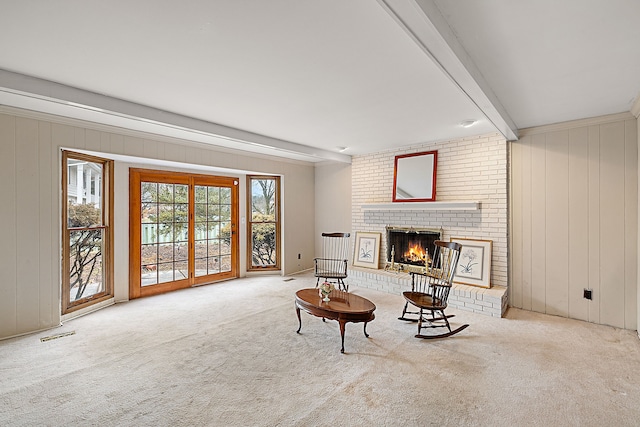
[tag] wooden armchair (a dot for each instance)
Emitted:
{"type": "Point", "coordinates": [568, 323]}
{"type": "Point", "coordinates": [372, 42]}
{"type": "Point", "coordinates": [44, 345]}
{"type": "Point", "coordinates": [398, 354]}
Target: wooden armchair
{"type": "Point", "coordinates": [332, 266]}
{"type": "Point", "coordinates": [430, 292]}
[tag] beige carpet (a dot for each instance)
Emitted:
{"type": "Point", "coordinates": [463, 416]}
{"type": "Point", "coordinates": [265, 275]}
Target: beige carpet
{"type": "Point", "coordinates": [228, 354]}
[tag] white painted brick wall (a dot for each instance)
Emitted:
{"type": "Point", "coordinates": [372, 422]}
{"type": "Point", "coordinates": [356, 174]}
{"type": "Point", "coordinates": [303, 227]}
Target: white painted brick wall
{"type": "Point", "coordinates": [473, 169]}
{"type": "Point", "coordinates": [468, 169]}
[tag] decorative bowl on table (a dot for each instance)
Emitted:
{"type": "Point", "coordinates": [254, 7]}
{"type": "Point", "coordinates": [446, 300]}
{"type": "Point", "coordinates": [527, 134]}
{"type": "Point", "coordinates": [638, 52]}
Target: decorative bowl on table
{"type": "Point", "coordinates": [325, 289]}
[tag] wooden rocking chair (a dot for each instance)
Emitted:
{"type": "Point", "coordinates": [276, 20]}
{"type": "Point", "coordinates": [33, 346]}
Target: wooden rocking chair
{"type": "Point", "coordinates": [332, 266]}
{"type": "Point", "coordinates": [430, 292]}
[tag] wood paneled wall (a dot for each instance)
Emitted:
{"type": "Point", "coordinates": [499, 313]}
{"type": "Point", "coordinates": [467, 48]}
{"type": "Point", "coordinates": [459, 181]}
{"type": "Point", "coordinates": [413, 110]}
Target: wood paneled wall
{"type": "Point", "coordinates": [574, 220]}
{"type": "Point", "coordinates": [30, 189]}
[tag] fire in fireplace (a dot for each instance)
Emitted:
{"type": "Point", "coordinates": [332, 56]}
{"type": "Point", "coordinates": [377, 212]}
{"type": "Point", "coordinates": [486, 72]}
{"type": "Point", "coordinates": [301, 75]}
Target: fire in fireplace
{"type": "Point", "coordinates": [411, 246]}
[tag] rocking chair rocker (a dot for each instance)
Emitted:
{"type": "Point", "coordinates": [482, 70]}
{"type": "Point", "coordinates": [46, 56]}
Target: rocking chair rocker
{"type": "Point", "coordinates": [430, 292]}
{"type": "Point", "coordinates": [332, 266]}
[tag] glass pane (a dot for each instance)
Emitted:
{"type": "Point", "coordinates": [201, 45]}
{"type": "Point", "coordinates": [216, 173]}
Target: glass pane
{"type": "Point", "coordinates": [213, 213]}
{"type": "Point", "coordinates": [149, 192]}
{"type": "Point", "coordinates": [225, 263]}
{"type": "Point", "coordinates": [200, 194]}
{"type": "Point", "coordinates": [165, 212]}
{"type": "Point", "coordinates": [181, 251]}
{"type": "Point", "coordinates": [263, 241]}
{"type": "Point", "coordinates": [200, 230]}
{"type": "Point", "coordinates": [225, 231]}
{"type": "Point", "coordinates": [181, 270]}
{"type": "Point", "coordinates": [149, 233]}
{"type": "Point", "coordinates": [263, 194]}
{"type": "Point", "coordinates": [165, 232]}
{"type": "Point", "coordinates": [84, 193]}
{"type": "Point", "coordinates": [165, 272]}
{"type": "Point", "coordinates": [86, 270]}
{"type": "Point", "coordinates": [165, 252]}
{"type": "Point", "coordinates": [201, 249]}
{"type": "Point", "coordinates": [181, 193]}
{"type": "Point", "coordinates": [149, 275]}
{"type": "Point", "coordinates": [181, 212]}
{"type": "Point", "coordinates": [214, 230]}
{"type": "Point", "coordinates": [214, 195]}
{"type": "Point", "coordinates": [214, 247]}
{"type": "Point", "coordinates": [201, 267]}
{"type": "Point", "coordinates": [225, 195]}
{"type": "Point", "coordinates": [213, 265]}
{"type": "Point", "coordinates": [225, 213]}
{"type": "Point", "coordinates": [225, 247]}
{"type": "Point", "coordinates": [181, 233]}
{"type": "Point", "coordinates": [201, 212]}
{"type": "Point", "coordinates": [148, 255]}
{"type": "Point", "coordinates": [149, 212]}
{"type": "Point", "coordinates": [165, 193]}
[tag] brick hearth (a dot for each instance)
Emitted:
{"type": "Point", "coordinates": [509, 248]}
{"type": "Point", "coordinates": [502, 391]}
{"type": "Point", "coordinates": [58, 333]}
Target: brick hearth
{"type": "Point", "coordinates": [490, 302]}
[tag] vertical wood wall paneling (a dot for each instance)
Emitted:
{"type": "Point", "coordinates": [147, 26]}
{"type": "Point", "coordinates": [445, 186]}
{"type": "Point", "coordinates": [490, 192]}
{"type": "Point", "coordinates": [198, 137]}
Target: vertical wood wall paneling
{"type": "Point", "coordinates": [55, 160]}
{"type": "Point", "coordinates": [594, 222]}
{"type": "Point", "coordinates": [174, 152]}
{"type": "Point", "coordinates": [92, 140]}
{"type": "Point", "coordinates": [117, 143]}
{"type": "Point", "coordinates": [631, 224]}
{"type": "Point", "coordinates": [578, 266]}
{"type": "Point", "coordinates": [516, 225]}
{"type": "Point", "coordinates": [8, 278]}
{"type": "Point", "coordinates": [526, 224]}
{"type": "Point", "coordinates": [79, 135]}
{"type": "Point", "coordinates": [538, 223]}
{"type": "Point", "coordinates": [105, 142]}
{"type": "Point", "coordinates": [612, 180]}
{"type": "Point", "coordinates": [49, 306]}
{"type": "Point", "coordinates": [150, 149]}
{"type": "Point", "coordinates": [557, 236]}
{"type": "Point", "coordinates": [133, 146]}
{"type": "Point", "coordinates": [61, 136]}
{"type": "Point", "coordinates": [27, 222]}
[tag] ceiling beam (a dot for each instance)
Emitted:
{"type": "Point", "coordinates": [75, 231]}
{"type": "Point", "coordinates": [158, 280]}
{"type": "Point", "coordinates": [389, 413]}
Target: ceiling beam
{"type": "Point", "coordinates": [423, 22]}
{"type": "Point", "coordinates": [21, 91]}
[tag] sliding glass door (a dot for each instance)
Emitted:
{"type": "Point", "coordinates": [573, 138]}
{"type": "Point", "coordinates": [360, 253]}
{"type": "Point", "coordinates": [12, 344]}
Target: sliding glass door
{"type": "Point", "coordinates": [183, 230]}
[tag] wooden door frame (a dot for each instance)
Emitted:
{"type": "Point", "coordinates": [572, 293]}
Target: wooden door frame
{"type": "Point", "coordinates": [136, 176]}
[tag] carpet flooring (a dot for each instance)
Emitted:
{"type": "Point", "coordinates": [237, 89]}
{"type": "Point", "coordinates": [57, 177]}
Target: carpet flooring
{"type": "Point", "coordinates": [228, 355]}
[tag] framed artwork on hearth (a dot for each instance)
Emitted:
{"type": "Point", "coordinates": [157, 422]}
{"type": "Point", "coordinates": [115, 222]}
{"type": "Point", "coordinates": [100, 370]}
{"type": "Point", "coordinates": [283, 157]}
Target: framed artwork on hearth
{"type": "Point", "coordinates": [367, 250]}
{"type": "Point", "coordinates": [474, 264]}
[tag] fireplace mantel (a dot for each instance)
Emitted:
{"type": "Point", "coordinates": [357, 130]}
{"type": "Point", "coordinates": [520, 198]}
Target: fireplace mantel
{"type": "Point", "coordinates": [423, 206]}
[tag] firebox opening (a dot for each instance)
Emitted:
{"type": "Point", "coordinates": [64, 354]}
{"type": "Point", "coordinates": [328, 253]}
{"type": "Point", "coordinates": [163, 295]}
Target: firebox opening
{"type": "Point", "coordinates": [411, 246]}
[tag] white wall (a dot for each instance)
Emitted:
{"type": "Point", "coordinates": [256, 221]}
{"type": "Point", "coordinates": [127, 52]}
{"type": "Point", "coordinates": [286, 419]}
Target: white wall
{"type": "Point", "coordinates": [30, 146]}
{"type": "Point", "coordinates": [574, 222]}
{"type": "Point", "coordinates": [332, 200]}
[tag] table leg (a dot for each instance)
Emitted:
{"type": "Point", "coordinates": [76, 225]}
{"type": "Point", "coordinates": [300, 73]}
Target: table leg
{"type": "Point", "coordinates": [299, 320]}
{"type": "Point", "coordinates": [365, 330]}
{"type": "Point", "coordinates": [342, 323]}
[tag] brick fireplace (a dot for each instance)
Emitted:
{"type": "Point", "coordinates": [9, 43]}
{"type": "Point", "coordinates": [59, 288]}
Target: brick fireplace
{"type": "Point", "coordinates": [471, 202]}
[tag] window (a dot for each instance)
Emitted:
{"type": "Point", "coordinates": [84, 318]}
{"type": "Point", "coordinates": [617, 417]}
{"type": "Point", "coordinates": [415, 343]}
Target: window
{"type": "Point", "coordinates": [263, 194]}
{"type": "Point", "coordinates": [87, 246]}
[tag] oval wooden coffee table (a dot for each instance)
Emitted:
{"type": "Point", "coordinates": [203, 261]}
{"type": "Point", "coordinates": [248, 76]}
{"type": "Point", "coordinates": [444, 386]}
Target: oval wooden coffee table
{"type": "Point", "coordinates": [343, 307]}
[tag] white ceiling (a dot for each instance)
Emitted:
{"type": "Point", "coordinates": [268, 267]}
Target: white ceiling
{"type": "Point", "coordinates": [301, 78]}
